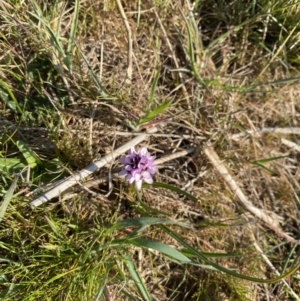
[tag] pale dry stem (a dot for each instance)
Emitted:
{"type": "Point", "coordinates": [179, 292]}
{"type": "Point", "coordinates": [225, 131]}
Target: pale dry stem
{"type": "Point", "coordinates": [129, 42]}
{"type": "Point", "coordinates": [270, 218]}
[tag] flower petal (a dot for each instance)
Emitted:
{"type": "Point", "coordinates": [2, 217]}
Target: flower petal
{"type": "Point", "coordinates": [152, 169]}
{"type": "Point", "coordinates": [132, 150]}
{"type": "Point", "coordinates": [123, 173]}
{"type": "Point", "coordinates": [130, 179]}
{"type": "Point", "coordinates": [143, 151]}
{"type": "Point", "coordinates": [146, 174]}
{"type": "Point", "coordinates": [137, 177]}
{"type": "Point", "coordinates": [139, 184]}
{"type": "Point", "coordinates": [122, 160]}
{"type": "Point", "coordinates": [148, 180]}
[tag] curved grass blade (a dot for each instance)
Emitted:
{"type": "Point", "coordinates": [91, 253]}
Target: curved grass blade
{"type": "Point", "coordinates": [137, 279]}
{"type": "Point", "coordinates": [73, 27]}
{"type": "Point", "coordinates": [261, 163]}
{"type": "Point", "coordinates": [201, 256]}
{"type": "Point", "coordinates": [191, 254]}
{"type": "Point", "coordinates": [129, 295]}
{"type": "Point", "coordinates": [152, 90]}
{"type": "Point", "coordinates": [175, 189]}
{"type": "Point", "coordinates": [142, 223]}
{"type": "Point", "coordinates": [13, 104]}
{"type": "Point", "coordinates": [160, 247]}
{"type": "Point", "coordinates": [95, 78]}
{"type": "Point", "coordinates": [53, 36]}
{"type": "Point", "coordinates": [8, 197]}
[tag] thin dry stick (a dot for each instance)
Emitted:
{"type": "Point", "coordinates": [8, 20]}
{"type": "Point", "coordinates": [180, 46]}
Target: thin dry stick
{"type": "Point", "coordinates": [292, 145]}
{"type": "Point", "coordinates": [100, 79]}
{"type": "Point", "coordinates": [284, 131]}
{"type": "Point", "coordinates": [84, 173]}
{"type": "Point", "coordinates": [119, 133]}
{"type": "Point", "coordinates": [175, 156]}
{"type": "Point", "coordinates": [272, 223]}
{"type": "Point", "coordinates": [114, 172]}
{"type": "Point", "coordinates": [91, 132]}
{"type": "Point", "coordinates": [129, 37]}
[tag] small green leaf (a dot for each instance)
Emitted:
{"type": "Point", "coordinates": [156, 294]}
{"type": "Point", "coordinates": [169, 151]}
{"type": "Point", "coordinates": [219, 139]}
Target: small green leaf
{"type": "Point", "coordinates": [31, 158]}
{"type": "Point", "coordinates": [143, 120]}
{"type": "Point", "coordinates": [11, 165]}
{"type": "Point", "coordinates": [67, 62]}
{"type": "Point", "coordinates": [151, 115]}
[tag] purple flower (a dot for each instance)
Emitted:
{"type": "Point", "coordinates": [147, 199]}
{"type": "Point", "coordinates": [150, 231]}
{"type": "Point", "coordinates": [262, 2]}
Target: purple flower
{"type": "Point", "coordinates": [139, 167]}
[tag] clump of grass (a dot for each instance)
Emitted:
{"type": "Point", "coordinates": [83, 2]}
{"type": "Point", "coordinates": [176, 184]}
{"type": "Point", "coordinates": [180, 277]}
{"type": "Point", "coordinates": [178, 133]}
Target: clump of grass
{"type": "Point", "coordinates": [227, 75]}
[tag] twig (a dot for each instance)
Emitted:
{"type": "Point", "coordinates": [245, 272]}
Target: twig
{"type": "Point", "coordinates": [175, 156]}
{"type": "Point", "coordinates": [84, 173]}
{"type": "Point", "coordinates": [114, 173]}
{"type": "Point", "coordinates": [284, 131]}
{"type": "Point", "coordinates": [118, 133]}
{"type": "Point", "coordinates": [129, 37]}
{"type": "Point", "coordinates": [91, 132]}
{"type": "Point", "coordinates": [292, 145]}
{"type": "Point", "coordinates": [271, 222]}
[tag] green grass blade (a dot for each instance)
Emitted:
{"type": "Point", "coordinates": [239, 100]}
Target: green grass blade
{"type": "Point", "coordinates": [62, 275]}
{"type": "Point", "coordinates": [225, 270]}
{"type": "Point", "coordinates": [261, 163]}
{"type": "Point", "coordinates": [175, 189]}
{"type": "Point", "coordinates": [130, 296]}
{"type": "Point", "coordinates": [210, 255]}
{"type": "Point", "coordinates": [152, 90]}
{"type": "Point", "coordinates": [73, 26]}
{"type": "Point", "coordinates": [13, 103]}
{"type": "Point", "coordinates": [160, 247]}
{"type": "Point", "coordinates": [137, 279]}
{"type": "Point", "coordinates": [280, 49]}
{"type": "Point", "coordinates": [53, 36]}
{"type": "Point", "coordinates": [55, 228]}
{"type": "Point", "coordinates": [7, 198]}
{"type": "Point", "coordinates": [141, 222]}
{"type": "Point", "coordinates": [95, 78]}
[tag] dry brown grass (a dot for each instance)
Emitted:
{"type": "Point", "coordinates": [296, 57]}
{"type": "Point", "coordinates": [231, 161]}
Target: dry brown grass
{"type": "Point", "coordinates": [241, 86]}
